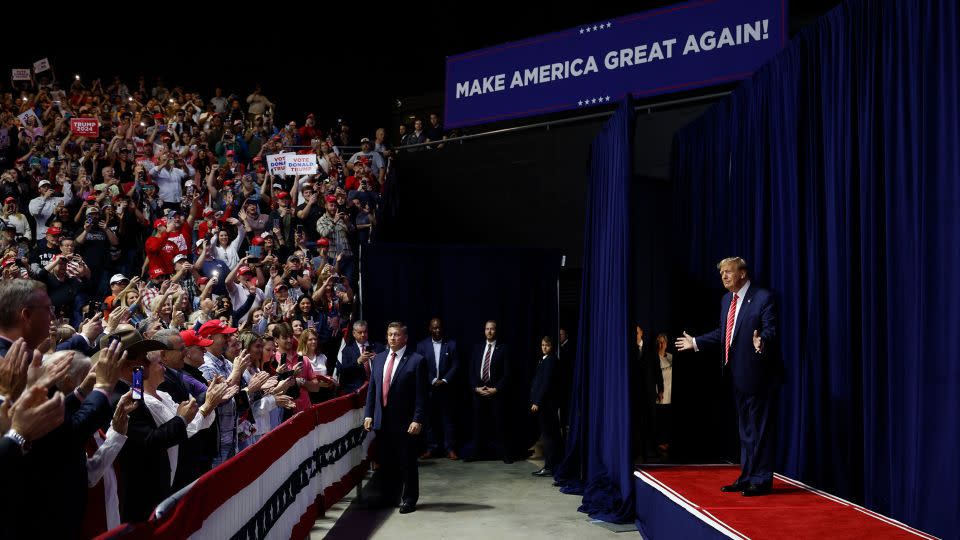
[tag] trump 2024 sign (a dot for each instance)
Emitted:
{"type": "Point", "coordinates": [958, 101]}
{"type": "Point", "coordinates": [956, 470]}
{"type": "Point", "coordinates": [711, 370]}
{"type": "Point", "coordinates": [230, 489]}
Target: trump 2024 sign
{"type": "Point", "coordinates": [675, 48]}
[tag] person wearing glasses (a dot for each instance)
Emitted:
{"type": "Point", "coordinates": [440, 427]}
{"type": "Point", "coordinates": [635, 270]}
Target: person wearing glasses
{"type": "Point", "coordinates": [25, 312]}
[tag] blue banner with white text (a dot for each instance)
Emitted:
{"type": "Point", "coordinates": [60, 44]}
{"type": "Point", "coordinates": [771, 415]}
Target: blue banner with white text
{"type": "Point", "coordinates": [674, 48]}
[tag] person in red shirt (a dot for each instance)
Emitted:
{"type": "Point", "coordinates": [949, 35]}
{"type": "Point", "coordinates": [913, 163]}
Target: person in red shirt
{"type": "Point", "coordinates": [160, 250]}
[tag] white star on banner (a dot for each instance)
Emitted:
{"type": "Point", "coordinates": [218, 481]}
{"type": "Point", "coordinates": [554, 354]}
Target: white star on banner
{"type": "Point", "coordinates": [608, 98]}
{"type": "Point", "coordinates": [588, 29]}
{"type": "Point", "coordinates": [581, 30]}
{"type": "Point", "coordinates": [609, 24]}
{"type": "Point", "coordinates": [594, 28]}
{"type": "Point", "coordinates": [580, 103]}
{"type": "Point", "coordinates": [593, 100]}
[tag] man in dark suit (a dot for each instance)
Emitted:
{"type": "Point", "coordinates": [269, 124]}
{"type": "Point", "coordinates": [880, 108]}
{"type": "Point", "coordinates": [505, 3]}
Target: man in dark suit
{"type": "Point", "coordinates": [747, 339]}
{"type": "Point", "coordinates": [442, 367]}
{"type": "Point", "coordinates": [25, 312]}
{"type": "Point", "coordinates": [396, 409]}
{"type": "Point", "coordinates": [489, 376]}
{"type": "Point", "coordinates": [354, 366]}
{"type": "Point", "coordinates": [645, 379]}
{"type": "Point", "coordinates": [544, 403]}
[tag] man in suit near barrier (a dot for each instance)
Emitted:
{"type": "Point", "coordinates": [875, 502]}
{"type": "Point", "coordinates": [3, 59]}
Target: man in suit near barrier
{"type": "Point", "coordinates": [354, 367]}
{"type": "Point", "coordinates": [747, 339]}
{"type": "Point", "coordinates": [489, 377]}
{"type": "Point", "coordinates": [396, 409]}
{"type": "Point", "coordinates": [442, 367]}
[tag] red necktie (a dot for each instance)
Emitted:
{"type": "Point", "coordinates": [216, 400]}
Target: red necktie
{"type": "Point", "coordinates": [485, 370]}
{"type": "Point", "coordinates": [387, 373]}
{"type": "Point", "coordinates": [731, 316]}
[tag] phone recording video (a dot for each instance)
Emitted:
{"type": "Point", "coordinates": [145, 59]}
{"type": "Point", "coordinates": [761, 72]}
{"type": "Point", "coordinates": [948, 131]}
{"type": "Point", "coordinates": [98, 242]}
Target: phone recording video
{"type": "Point", "coordinates": [137, 383]}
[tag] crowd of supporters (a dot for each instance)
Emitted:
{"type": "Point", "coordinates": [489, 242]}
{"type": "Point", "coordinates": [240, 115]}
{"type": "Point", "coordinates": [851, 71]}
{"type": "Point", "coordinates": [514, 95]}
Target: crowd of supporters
{"type": "Point", "coordinates": [162, 253]}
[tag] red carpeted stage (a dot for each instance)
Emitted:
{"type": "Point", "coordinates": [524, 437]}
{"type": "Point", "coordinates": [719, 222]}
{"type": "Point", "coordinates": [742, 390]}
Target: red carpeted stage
{"type": "Point", "coordinates": [685, 501]}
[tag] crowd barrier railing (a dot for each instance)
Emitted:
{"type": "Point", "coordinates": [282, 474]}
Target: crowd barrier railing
{"type": "Point", "coordinates": [276, 488]}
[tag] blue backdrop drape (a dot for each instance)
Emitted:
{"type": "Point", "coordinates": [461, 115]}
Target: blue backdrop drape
{"type": "Point", "coordinates": [598, 462]}
{"type": "Point", "coordinates": [835, 171]}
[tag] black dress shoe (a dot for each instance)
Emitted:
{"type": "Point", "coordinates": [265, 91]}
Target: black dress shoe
{"type": "Point", "coordinates": [755, 491]}
{"type": "Point", "coordinates": [735, 487]}
{"type": "Point", "coordinates": [406, 508]}
{"type": "Point", "coordinates": [543, 472]}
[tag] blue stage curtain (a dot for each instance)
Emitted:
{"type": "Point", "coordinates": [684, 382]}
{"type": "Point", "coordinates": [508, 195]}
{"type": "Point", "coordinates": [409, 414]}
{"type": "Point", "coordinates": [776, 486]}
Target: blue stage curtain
{"type": "Point", "coordinates": [598, 462]}
{"type": "Point", "coordinates": [835, 171]}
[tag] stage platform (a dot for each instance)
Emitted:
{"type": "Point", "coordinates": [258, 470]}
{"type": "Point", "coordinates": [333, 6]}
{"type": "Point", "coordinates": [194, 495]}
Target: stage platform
{"type": "Point", "coordinates": [685, 501]}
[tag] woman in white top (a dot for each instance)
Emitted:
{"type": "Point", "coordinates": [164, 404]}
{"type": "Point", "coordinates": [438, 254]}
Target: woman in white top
{"type": "Point", "coordinates": [264, 411]}
{"type": "Point", "coordinates": [226, 249]}
{"type": "Point", "coordinates": [664, 419]}
{"type": "Point", "coordinates": [309, 348]}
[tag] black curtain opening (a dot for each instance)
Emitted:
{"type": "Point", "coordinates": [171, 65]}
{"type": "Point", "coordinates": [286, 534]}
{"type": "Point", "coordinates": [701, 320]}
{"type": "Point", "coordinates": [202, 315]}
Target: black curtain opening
{"type": "Point", "coordinates": [466, 286]}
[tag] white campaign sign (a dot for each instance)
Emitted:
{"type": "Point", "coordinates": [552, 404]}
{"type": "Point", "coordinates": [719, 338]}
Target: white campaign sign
{"type": "Point", "coordinates": [298, 164]}
{"type": "Point", "coordinates": [277, 164]}
{"type": "Point", "coordinates": [20, 75]}
{"type": "Point", "coordinates": [41, 65]}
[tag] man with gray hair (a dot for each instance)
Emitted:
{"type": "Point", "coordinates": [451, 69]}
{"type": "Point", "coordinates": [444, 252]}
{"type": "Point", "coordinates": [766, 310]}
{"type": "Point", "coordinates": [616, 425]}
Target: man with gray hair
{"type": "Point", "coordinates": [746, 340]}
{"type": "Point", "coordinates": [354, 366]}
{"type": "Point", "coordinates": [25, 312]}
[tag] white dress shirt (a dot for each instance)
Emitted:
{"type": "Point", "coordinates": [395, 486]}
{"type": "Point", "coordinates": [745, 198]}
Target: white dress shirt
{"type": "Point", "coordinates": [396, 363]}
{"type": "Point", "coordinates": [736, 315]}
{"type": "Point", "coordinates": [162, 408]}
{"type": "Point", "coordinates": [437, 345]}
{"type": "Point", "coordinates": [491, 346]}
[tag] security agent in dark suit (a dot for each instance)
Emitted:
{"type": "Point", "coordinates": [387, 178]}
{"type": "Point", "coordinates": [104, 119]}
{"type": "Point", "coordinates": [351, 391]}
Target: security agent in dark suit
{"type": "Point", "coordinates": [442, 368]}
{"type": "Point", "coordinates": [747, 339]}
{"type": "Point", "coordinates": [544, 403]}
{"type": "Point", "coordinates": [489, 376]}
{"type": "Point", "coordinates": [396, 409]}
{"type": "Point", "coordinates": [355, 359]}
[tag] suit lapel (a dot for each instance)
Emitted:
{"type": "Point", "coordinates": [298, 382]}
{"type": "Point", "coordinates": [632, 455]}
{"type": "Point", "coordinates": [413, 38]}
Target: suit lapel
{"type": "Point", "coordinates": [403, 360]}
{"type": "Point", "coordinates": [744, 309]}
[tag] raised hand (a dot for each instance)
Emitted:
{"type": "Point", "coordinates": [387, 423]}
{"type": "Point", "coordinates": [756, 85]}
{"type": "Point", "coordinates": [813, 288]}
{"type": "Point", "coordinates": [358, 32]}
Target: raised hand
{"type": "Point", "coordinates": [188, 409]}
{"type": "Point", "coordinates": [13, 370]}
{"type": "Point", "coordinates": [285, 401]}
{"type": "Point", "coordinates": [121, 416]}
{"type": "Point", "coordinates": [684, 343]}
{"type": "Point", "coordinates": [757, 342]}
{"type": "Point", "coordinates": [33, 415]}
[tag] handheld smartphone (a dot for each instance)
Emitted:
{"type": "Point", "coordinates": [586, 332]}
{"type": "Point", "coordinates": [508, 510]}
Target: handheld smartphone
{"type": "Point", "coordinates": [276, 223]}
{"type": "Point", "coordinates": [254, 253]}
{"type": "Point", "coordinates": [137, 383]}
{"type": "Point", "coordinates": [89, 220]}
{"type": "Point", "coordinates": [300, 229]}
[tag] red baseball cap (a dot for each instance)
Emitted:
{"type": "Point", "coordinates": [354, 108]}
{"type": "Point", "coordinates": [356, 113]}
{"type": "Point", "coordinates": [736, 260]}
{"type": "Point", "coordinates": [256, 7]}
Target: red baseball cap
{"type": "Point", "coordinates": [245, 270]}
{"type": "Point", "coordinates": [192, 339]}
{"type": "Point", "coordinates": [231, 153]}
{"type": "Point", "coordinates": [208, 212]}
{"type": "Point", "coordinates": [215, 326]}
{"type": "Point", "coordinates": [257, 241]}
{"type": "Point", "coordinates": [323, 242]}
{"type": "Point", "coordinates": [283, 195]}
{"type": "Point", "coordinates": [54, 231]}
{"type": "Point", "coordinates": [160, 223]}
{"type": "Point", "coordinates": [156, 272]}
{"type": "Point", "coordinates": [158, 116]}
{"type": "Point", "coordinates": [330, 198]}
{"type": "Point", "coordinates": [9, 200]}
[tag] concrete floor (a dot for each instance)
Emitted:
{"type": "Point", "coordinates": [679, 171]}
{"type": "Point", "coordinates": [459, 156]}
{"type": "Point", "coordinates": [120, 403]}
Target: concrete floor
{"type": "Point", "coordinates": [487, 499]}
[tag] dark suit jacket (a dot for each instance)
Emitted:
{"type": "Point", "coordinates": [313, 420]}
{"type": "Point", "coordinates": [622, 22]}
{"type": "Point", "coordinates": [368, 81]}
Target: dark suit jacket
{"type": "Point", "coordinates": [545, 389]}
{"type": "Point", "coordinates": [753, 373]}
{"type": "Point", "coordinates": [78, 343]}
{"type": "Point", "coordinates": [144, 464]}
{"type": "Point", "coordinates": [352, 374]}
{"type": "Point", "coordinates": [449, 363]}
{"type": "Point", "coordinates": [499, 367]}
{"type": "Point", "coordinates": [59, 459]}
{"type": "Point", "coordinates": [407, 398]}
